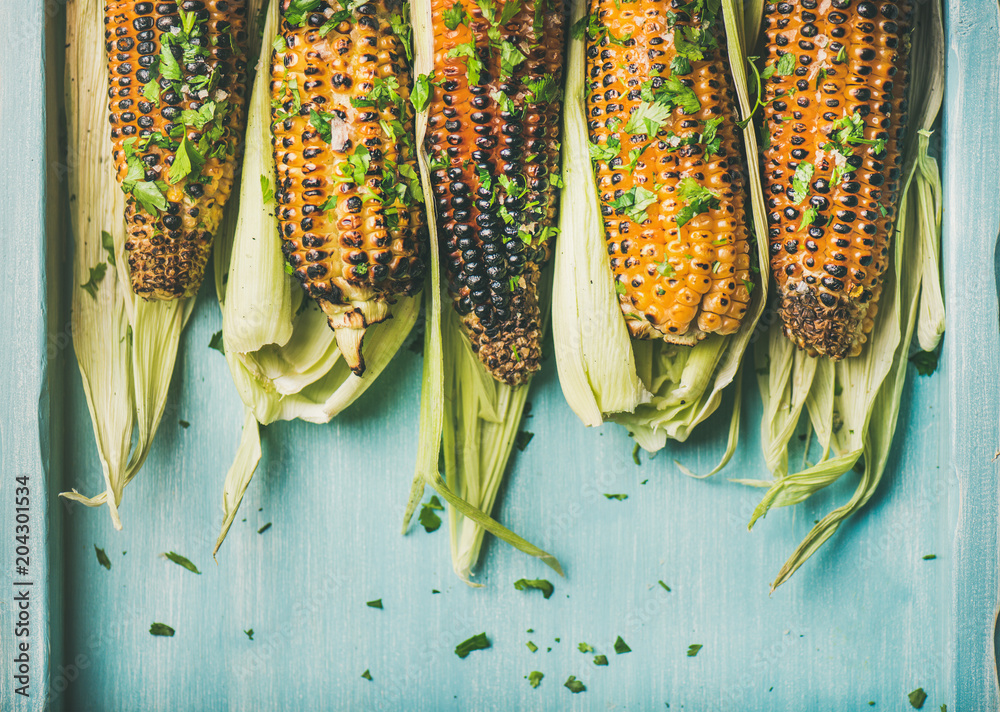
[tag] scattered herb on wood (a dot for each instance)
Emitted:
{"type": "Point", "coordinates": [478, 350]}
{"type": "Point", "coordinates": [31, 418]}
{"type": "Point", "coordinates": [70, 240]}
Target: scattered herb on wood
{"type": "Point", "coordinates": [585, 648]}
{"type": "Point", "coordinates": [523, 438]}
{"type": "Point", "coordinates": [377, 603]}
{"type": "Point", "coordinates": [181, 561]}
{"type": "Point", "coordinates": [693, 650]}
{"type": "Point", "coordinates": [600, 660]}
{"type": "Point", "coordinates": [366, 675]}
{"type": "Point", "coordinates": [264, 528]}
{"type": "Point", "coordinates": [102, 558]}
{"type": "Point", "coordinates": [917, 698]}
{"type": "Point", "coordinates": [184, 424]}
{"type": "Point", "coordinates": [531, 646]}
{"type": "Point", "coordinates": [161, 629]}
{"type": "Point", "coordinates": [635, 455]}
{"type": "Point", "coordinates": [664, 586]}
{"type": "Point", "coordinates": [621, 646]}
{"type": "Point", "coordinates": [216, 343]}
{"type": "Point", "coordinates": [535, 678]}
{"type": "Point", "coordinates": [619, 497]}
{"type": "Point", "coordinates": [926, 361]}
{"type": "Point", "coordinates": [476, 642]}
{"type": "Point", "coordinates": [543, 585]}
{"type": "Point", "coordinates": [249, 633]}
{"type": "Point", "coordinates": [930, 557]}
{"type": "Point", "coordinates": [428, 518]}
{"type": "Point", "coordinates": [574, 685]}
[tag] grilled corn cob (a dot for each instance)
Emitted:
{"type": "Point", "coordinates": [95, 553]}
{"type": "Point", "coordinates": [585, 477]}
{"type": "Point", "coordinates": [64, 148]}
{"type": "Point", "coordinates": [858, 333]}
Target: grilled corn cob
{"type": "Point", "coordinates": [177, 76]}
{"type": "Point", "coordinates": [350, 204]}
{"type": "Point", "coordinates": [492, 138]}
{"type": "Point", "coordinates": [836, 112]}
{"type": "Point", "coordinates": [669, 174]}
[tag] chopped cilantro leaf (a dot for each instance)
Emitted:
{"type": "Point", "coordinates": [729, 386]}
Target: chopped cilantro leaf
{"type": "Point", "coordinates": [161, 629]}
{"type": "Point", "coordinates": [266, 191]}
{"type": "Point", "coordinates": [605, 153]}
{"type": "Point", "coordinates": [522, 439]}
{"type": "Point", "coordinates": [929, 557]}
{"type": "Point", "coordinates": [264, 528]}
{"type": "Point", "coordinates": [377, 603]}
{"type": "Point", "coordinates": [698, 198]}
{"type": "Point", "coordinates": [102, 557]}
{"type": "Point", "coordinates": [249, 633]}
{"type": "Point", "coordinates": [619, 497]}
{"type": "Point", "coordinates": [808, 217]}
{"type": "Point", "coordinates": [600, 660]}
{"type": "Point", "coordinates": [542, 585]}
{"type": "Point", "coordinates": [535, 678]}
{"type": "Point", "coordinates": [785, 65]}
{"type": "Point", "coordinates": [926, 361]}
{"type": "Point", "coordinates": [917, 698]}
{"type": "Point", "coordinates": [585, 648]}
{"type": "Point", "coordinates": [216, 343]}
{"type": "Point", "coordinates": [476, 642]}
{"type": "Point", "coordinates": [574, 685]}
{"type": "Point", "coordinates": [800, 182]}
{"type": "Point", "coordinates": [181, 561]}
{"type": "Point", "coordinates": [531, 646]}
{"type": "Point", "coordinates": [366, 675]}
{"type": "Point", "coordinates": [693, 650]}
{"type": "Point", "coordinates": [621, 646]}
{"type": "Point", "coordinates": [421, 94]}
{"type": "Point", "coordinates": [97, 273]}
{"type": "Point", "coordinates": [664, 586]}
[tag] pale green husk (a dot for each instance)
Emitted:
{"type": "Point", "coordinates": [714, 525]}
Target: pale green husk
{"type": "Point", "coordinates": [282, 354]}
{"type": "Point", "coordinates": [656, 390]}
{"type": "Point", "coordinates": [853, 405]}
{"type": "Point", "coordinates": [467, 419]}
{"type": "Point", "coordinates": [125, 346]}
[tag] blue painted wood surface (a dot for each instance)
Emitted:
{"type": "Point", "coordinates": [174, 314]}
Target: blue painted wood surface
{"type": "Point", "coordinates": [867, 619]}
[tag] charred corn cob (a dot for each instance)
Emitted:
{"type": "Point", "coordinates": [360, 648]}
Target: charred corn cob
{"type": "Point", "coordinates": [350, 204]}
{"type": "Point", "coordinates": [669, 172]}
{"type": "Point", "coordinates": [492, 139]}
{"type": "Point", "coordinates": [177, 77]}
{"type": "Point", "coordinates": [836, 112]}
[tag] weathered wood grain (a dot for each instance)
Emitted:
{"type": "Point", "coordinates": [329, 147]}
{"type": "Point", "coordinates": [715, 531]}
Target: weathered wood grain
{"type": "Point", "coordinates": [867, 619]}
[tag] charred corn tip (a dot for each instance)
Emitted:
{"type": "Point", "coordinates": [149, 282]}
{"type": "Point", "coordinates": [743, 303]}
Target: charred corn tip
{"type": "Point", "coordinates": [836, 115]}
{"type": "Point", "coordinates": [176, 111]}
{"type": "Point", "coordinates": [349, 200]}
{"type": "Point", "coordinates": [669, 169]}
{"type": "Point", "coordinates": [492, 139]}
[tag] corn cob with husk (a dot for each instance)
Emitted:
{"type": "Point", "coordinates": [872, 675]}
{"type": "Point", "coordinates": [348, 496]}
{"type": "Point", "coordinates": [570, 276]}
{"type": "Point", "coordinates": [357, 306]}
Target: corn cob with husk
{"type": "Point", "coordinates": [855, 212]}
{"type": "Point", "coordinates": [492, 138]}
{"type": "Point", "coordinates": [350, 203]}
{"type": "Point", "coordinates": [836, 109]}
{"type": "Point", "coordinates": [669, 171]}
{"type": "Point", "coordinates": [177, 111]}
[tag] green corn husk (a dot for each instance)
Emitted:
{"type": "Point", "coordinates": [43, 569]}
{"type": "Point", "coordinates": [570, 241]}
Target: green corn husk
{"type": "Point", "coordinates": [853, 405]}
{"type": "Point", "coordinates": [125, 346]}
{"type": "Point", "coordinates": [655, 389]}
{"type": "Point", "coordinates": [467, 419]}
{"type": "Point", "coordinates": [282, 354]}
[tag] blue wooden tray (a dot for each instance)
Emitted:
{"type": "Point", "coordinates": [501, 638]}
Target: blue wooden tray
{"type": "Point", "coordinates": [868, 619]}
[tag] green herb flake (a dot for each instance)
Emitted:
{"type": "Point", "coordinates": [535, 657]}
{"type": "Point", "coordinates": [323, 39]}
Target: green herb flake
{"type": "Point", "coordinates": [522, 439]}
{"type": "Point", "coordinates": [635, 455]}
{"type": "Point", "coordinates": [693, 650]}
{"type": "Point", "coordinates": [97, 273]}
{"type": "Point", "coordinates": [926, 361]}
{"type": "Point", "coordinates": [102, 557]}
{"type": "Point", "coordinates": [842, 54]}
{"type": "Point", "coordinates": [531, 646]}
{"type": "Point", "coordinates": [108, 243]}
{"type": "Point", "coordinates": [264, 528]}
{"type": "Point", "coordinates": [421, 94]}
{"type": "Point", "coordinates": [377, 603]}
{"type": "Point", "coordinates": [181, 561]}
{"type": "Point", "coordinates": [574, 685]}
{"type": "Point", "coordinates": [216, 343]}
{"type": "Point", "coordinates": [249, 633]}
{"type": "Point", "coordinates": [619, 497]}
{"type": "Point", "coordinates": [929, 557]}
{"type": "Point", "coordinates": [428, 517]}
{"type": "Point", "coordinates": [808, 217]}
{"type": "Point", "coordinates": [917, 698]}
{"type": "Point", "coordinates": [266, 191]}
{"type": "Point", "coordinates": [585, 648]}
{"type": "Point", "coordinates": [785, 65]}
{"type": "Point", "coordinates": [600, 660]}
{"type": "Point", "coordinates": [476, 642]}
{"type": "Point", "coordinates": [161, 629]}
{"type": "Point", "coordinates": [621, 646]}
{"type": "Point", "coordinates": [800, 182]}
{"type": "Point", "coordinates": [664, 586]}
{"type": "Point", "coordinates": [698, 199]}
{"type": "Point", "coordinates": [543, 585]}
{"type": "Point", "coordinates": [535, 678]}
{"type": "Point", "coordinates": [366, 675]}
